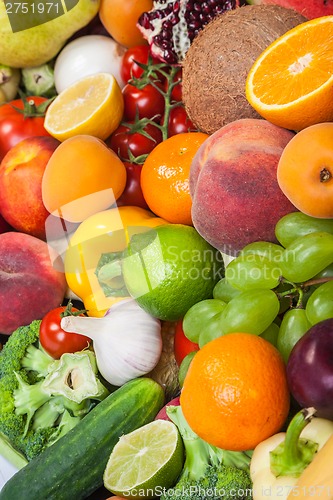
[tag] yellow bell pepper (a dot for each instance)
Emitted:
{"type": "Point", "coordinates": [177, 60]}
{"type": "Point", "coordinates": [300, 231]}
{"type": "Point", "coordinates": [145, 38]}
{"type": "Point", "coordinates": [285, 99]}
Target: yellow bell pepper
{"type": "Point", "coordinates": [93, 257]}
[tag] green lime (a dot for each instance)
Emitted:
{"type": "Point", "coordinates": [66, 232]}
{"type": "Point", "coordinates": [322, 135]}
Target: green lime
{"type": "Point", "coordinates": [145, 462]}
{"type": "Point", "coordinates": [169, 269]}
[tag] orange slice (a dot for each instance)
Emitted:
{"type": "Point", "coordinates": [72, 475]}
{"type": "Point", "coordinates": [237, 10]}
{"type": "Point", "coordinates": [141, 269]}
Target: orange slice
{"type": "Point", "coordinates": [93, 105]}
{"type": "Point", "coordinates": [291, 82]}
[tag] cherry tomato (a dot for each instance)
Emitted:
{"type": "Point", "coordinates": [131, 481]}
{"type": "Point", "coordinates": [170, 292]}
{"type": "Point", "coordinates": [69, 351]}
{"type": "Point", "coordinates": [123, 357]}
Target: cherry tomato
{"type": "Point", "coordinates": [179, 122]}
{"type": "Point", "coordinates": [129, 67]}
{"type": "Point", "coordinates": [132, 194]}
{"type": "Point", "coordinates": [54, 339]}
{"type": "Point", "coordinates": [182, 345]}
{"type": "Point", "coordinates": [147, 102]}
{"type": "Point", "coordinates": [16, 126]}
{"type": "Point", "coordinates": [133, 139]}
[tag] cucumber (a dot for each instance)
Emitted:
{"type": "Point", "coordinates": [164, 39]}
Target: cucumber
{"type": "Point", "coordinates": [72, 468]}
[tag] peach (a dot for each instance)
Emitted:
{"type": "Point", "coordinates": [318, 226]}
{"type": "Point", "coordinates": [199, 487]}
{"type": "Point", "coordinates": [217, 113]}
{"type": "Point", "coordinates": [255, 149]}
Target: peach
{"type": "Point", "coordinates": [233, 184]}
{"type": "Point", "coordinates": [21, 173]}
{"type": "Point", "coordinates": [32, 280]}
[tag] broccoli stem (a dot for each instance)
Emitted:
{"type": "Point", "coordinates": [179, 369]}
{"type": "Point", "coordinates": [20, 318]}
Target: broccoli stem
{"type": "Point", "coordinates": [28, 398]}
{"type": "Point", "coordinates": [37, 360]}
{"type": "Point", "coordinates": [46, 415]}
{"type": "Point", "coordinates": [13, 456]}
{"type": "Point", "coordinates": [199, 454]}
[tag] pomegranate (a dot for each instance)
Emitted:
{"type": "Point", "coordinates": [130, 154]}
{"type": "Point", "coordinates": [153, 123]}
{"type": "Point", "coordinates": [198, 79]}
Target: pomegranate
{"type": "Point", "coordinates": [171, 25]}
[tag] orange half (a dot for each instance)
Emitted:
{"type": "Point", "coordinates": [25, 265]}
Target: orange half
{"type": "Point", "coordinates": [291, 82]}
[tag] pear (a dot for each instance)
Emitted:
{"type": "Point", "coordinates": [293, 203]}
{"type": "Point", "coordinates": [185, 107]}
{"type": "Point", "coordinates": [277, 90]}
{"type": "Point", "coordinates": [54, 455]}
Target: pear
{"type": "Point", "coordinates": [30, 39]}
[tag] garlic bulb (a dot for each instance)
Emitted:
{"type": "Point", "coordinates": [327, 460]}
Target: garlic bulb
{"type": "Point", "coordinates": [127, 341]}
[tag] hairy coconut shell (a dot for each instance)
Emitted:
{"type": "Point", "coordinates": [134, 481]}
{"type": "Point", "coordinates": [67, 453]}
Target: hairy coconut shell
{"type": "Point", "coordinates": [217, 63]}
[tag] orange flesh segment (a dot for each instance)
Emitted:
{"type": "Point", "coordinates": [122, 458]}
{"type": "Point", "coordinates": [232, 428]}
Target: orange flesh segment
{"type": "Point", "coordinates": [302, 69]}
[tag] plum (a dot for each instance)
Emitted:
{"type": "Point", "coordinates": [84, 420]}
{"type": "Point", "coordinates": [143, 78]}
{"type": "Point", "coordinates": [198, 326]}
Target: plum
{"type": "Point", "coordinates": [310, 369]}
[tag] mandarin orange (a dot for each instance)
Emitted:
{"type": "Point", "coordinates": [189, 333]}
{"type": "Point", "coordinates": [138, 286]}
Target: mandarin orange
{"type": "Point", "coordinates": [235, 393]}
{"type": "Point", "coordinates": [165, 177]}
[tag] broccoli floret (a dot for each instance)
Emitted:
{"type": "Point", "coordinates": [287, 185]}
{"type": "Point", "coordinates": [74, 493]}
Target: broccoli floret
{"type": "Point", "coordinates": [41, 399]}
{"type": "Point", "coordinates": [16, 346]}
{"type": "Point", "coordinates": [209, 472]}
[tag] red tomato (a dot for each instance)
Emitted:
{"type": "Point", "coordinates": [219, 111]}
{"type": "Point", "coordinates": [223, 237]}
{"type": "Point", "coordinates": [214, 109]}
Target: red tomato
{"type": "Point", "coordinates": [147, 102]}
{"type": "Point", "coordinates": [182, 345]}
{"type": "Point", "coordinates": [54, 339]}
{"type": "Point", "coordinates": [179, 122]}
{"type": "Point", "coordinates": [16, 126]}
{"type": "Point", "coordinates": [132, 140]}
{"type": "Point", "coordinates": [132, 194]}
{"type": "Point", "coordinates": [129, 67]}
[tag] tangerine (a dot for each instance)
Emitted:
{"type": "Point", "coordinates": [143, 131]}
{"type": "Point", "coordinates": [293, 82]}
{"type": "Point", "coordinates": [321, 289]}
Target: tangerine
{"type": "Point", "coordinates": [235, 393]}
{"type": "Point", "coordinates": [120, 18]}
{"type": "Point", "coordinates": [165, 177]}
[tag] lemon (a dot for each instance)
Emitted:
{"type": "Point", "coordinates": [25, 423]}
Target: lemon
{"type": "Point", "coordinates": [170, 268]}
{"type": "Point", "coordinates": [145, 462]}
{"type": "Point", "coordinates": [93, 105]}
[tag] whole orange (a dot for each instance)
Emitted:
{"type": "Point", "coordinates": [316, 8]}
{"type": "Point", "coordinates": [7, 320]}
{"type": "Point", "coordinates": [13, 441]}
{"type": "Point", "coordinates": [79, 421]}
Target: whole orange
{"type": "Point", "coordinates": [119, 18]}
{"type": "Point", "coordinates": [235, 393]}
{"type": "Point", "coordinates": [165, 177]}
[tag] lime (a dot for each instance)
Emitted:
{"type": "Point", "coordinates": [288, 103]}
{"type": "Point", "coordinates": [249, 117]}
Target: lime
{"type": "Point", "coordinates": [170, 268]}
{"type": "Point", "coordinates": [145, 462]}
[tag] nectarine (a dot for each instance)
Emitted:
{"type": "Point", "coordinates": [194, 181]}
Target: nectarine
{"type": "Point", "coordinates": [30, 282]}
{"type": "Point", "coordinates": [233, 184]}
{"type": "Point", "coordinates": [21, 173]}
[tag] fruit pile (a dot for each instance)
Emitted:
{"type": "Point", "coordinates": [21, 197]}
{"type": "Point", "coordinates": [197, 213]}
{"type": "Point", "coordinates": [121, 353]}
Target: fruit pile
{"type": "Point", "coordinates": [166, 206]}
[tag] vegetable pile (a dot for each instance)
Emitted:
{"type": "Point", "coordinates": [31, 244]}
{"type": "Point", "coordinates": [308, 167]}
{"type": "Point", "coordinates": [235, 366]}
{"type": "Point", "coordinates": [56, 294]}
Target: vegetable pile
{"type": "Point", "coordinates": [166, 253]}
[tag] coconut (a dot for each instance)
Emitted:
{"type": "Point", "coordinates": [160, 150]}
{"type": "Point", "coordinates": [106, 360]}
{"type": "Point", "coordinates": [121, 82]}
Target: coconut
{"type": "Point", "coordinates": [217, 63]}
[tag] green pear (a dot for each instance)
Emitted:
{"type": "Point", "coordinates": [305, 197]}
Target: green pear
{"type": "Point", "coordinates": [32, 33]}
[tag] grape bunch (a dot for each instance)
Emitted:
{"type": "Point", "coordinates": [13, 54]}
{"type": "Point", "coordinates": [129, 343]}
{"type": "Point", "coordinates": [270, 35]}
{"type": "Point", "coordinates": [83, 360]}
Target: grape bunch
{"type": "Point", "coordinates": [276, 290]}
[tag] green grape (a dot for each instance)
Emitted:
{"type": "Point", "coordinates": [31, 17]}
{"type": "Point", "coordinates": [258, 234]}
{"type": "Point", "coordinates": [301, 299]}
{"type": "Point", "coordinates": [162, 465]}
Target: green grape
{"type": "Point", "coordinates": [200, 315]}
{"type": "Point", "coordinates": [297, 224]}
{"type": "Point", "coordinates": [271, 333]}
{"type": "Point", "coordinates": [307, 256]}
{"type": "Point", "coordinates": [210, 332]}
{"type": "Point", "coordinates": [251, 311]}
{"type": "Point", "coordinates": [325, 273]}
{"type": "Point", "coordinates": [271, 251]}
{"type": "Point", "coordinates": [320, 303]}
{"type": "Point", "coordinates": [184, 366]}
{"type": "Point", "coordinates": [293, 326]}
{"type": "Point", "coordinates": [224, 291]}
{"type": "Point", "coordinates": [252, 271]}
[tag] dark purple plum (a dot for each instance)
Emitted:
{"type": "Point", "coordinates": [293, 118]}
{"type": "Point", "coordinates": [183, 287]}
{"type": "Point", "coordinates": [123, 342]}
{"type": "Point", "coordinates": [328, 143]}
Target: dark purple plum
{"type": "Point", "coordinates": [310, 369]}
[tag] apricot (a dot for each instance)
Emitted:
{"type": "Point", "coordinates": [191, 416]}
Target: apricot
{"type": "Point", "coordinates": [305, 170]}
{"type": "Point", "coordinates": [82, 177]}
{"type": "Point", "coordinates": [235, 194]}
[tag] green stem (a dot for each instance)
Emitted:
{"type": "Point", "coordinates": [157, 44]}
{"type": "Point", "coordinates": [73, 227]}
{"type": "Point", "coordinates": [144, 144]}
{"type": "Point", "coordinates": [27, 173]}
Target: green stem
{"type": "Point", "coordinates": [167, 98]}
{"type": "Point", "coordinates": [294, 454]}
